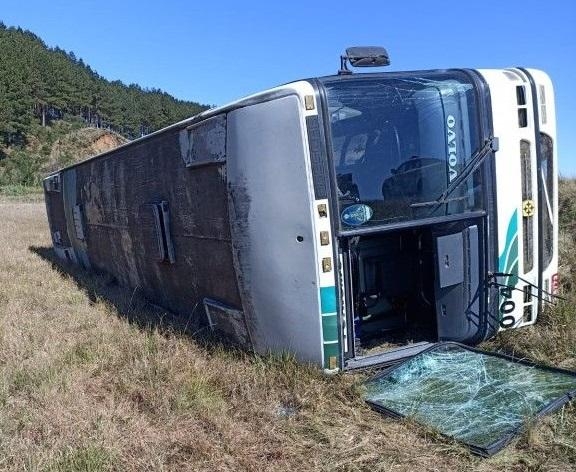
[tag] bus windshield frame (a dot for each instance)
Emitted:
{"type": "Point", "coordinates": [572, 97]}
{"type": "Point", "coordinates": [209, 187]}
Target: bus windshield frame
{"type": "Point", "coordinates": [398, 141]}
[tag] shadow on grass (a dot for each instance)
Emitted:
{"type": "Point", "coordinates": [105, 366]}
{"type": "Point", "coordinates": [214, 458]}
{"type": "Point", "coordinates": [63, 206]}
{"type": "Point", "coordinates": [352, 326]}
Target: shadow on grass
{"type": "Point", "coordinates": [130, 305]}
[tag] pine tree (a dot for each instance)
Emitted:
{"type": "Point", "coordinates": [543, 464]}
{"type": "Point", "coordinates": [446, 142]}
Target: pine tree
{"type": "Point", "coordinates": [40, 86]}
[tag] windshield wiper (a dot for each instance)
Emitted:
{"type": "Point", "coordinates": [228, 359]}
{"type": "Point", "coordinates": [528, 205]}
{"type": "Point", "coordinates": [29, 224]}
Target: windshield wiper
{"type": "Point", "coordinates": [490, 145]}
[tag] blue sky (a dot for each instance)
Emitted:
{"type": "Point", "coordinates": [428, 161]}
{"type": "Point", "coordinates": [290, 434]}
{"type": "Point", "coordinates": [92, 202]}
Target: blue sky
{"type": "Point", "coordinates": [217, 52]}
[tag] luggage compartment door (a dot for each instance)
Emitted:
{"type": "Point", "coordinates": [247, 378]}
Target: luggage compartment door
{"type": "Point", "coordinates": [457, 287]}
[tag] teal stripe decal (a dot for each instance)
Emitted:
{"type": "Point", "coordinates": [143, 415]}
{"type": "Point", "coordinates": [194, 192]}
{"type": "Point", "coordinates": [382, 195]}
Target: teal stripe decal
{"type": "Point", "coordinates": [328, 299]}
{"type": "Point", "coordinates": [331, 350]}
{"type": "Point", "coordinates": [330, 340]}
{"type": "Point", "coordinates": [511, 234]}
{"type": "Point", "coordinates": [330, 328]}
{"type": "Point", "coordinates": [508, 263]}
{"type": "Point", "coordinates": [508, 260]}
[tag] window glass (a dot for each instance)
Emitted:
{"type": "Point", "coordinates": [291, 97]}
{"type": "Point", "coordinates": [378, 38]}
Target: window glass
{"type": "Point", "coordinates": [546, 178]}
{"type": "Point", "coordinates": [398, 142]}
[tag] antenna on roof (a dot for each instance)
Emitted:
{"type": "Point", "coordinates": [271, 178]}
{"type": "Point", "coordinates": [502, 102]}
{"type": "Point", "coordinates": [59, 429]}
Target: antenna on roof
{"type": "Point", "coordinates": [363, 56]}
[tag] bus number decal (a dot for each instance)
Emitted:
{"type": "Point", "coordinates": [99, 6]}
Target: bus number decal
{"type": "Point", "coordinates": [507, 306]}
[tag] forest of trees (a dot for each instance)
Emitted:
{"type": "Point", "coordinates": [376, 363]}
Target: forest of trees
{"type": "Point", "coordinates": [40, 86]}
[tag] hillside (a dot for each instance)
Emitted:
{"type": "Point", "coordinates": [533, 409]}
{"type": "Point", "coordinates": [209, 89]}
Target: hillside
{"type": "Point", "coordinates": [52, 147]}
{"type": "Point", "coordinates": [47, 95]}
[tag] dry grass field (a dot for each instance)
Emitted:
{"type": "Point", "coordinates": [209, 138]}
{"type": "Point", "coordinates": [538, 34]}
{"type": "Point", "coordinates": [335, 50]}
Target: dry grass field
{"type": "Point", "coordinates": [92, 379]}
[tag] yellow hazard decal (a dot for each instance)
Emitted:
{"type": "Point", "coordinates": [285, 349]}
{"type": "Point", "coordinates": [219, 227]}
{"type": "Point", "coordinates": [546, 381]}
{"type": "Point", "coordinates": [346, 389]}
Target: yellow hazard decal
{"type": "Point", "coordinates": [528, 208]}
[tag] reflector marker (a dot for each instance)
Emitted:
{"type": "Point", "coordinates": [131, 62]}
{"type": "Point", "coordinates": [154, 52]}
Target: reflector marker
{"type": "Point", "coordinates": [327, 286]}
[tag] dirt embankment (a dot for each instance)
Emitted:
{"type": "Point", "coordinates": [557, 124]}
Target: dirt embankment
{"type": "Point", "coordinates": [105, 141]}
{"type": "Point", "coordinates": [84, 143]}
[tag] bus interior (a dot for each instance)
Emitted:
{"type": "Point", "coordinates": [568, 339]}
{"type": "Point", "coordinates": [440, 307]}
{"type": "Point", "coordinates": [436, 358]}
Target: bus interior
{"type": "Point", "coordinates": [414, 285]}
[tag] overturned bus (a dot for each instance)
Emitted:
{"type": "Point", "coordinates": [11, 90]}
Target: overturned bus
{"type": "Point", "coordinates": [352, 219]}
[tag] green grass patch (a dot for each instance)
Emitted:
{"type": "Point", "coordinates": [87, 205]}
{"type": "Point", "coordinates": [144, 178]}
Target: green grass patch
{"type": "Point", "coordinates": [16, 193]}
{"type": "Point", "coordinates": [83, 459]}
{"type": "Point", "coordinates": [17, 190]}
{"type": "Point", "coordinates": [81, 353]}
{"type": "Point", "coordinates": [198, 394]}
{"type": "Point", "coordinates": [29, 380]}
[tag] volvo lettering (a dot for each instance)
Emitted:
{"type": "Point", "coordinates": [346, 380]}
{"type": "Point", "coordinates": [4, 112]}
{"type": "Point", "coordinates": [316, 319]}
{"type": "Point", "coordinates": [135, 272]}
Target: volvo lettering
{"type": "Point", "coordinates": [452, 157]}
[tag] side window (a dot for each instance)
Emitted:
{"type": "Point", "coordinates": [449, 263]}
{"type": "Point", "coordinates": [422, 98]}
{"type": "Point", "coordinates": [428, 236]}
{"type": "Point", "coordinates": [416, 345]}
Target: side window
{"type": "Point", "coordinates": [527, 195]}
{"type": "Point", "coordinates": [205, 142]}
{"type": "Point", "coordinates": [546, 178]}
{"type": "Point", "coordinates": [52, 183]}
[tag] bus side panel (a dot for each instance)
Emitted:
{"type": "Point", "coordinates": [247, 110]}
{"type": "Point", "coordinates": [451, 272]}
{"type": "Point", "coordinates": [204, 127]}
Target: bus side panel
{"type": "Point", "coordinates": [272, 227]}
{"type": "Point", "coordinates": [118, 197]}
{"type": "Point", "coordinates": [517, 209]}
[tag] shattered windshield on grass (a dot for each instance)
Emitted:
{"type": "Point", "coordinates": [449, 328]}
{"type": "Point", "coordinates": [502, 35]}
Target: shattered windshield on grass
{"type": "Point", "coordinates": [476, 398]}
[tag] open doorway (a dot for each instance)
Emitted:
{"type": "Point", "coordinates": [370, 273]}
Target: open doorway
{"type": "Point", "coordinates": [414, 285]}
{"type": "Point", "coordinates": [393, 282]}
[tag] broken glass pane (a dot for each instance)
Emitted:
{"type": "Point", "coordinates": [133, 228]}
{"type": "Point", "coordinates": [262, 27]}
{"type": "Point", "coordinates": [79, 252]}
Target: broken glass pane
{"type": "Point", "coordinates": [478, 398]}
